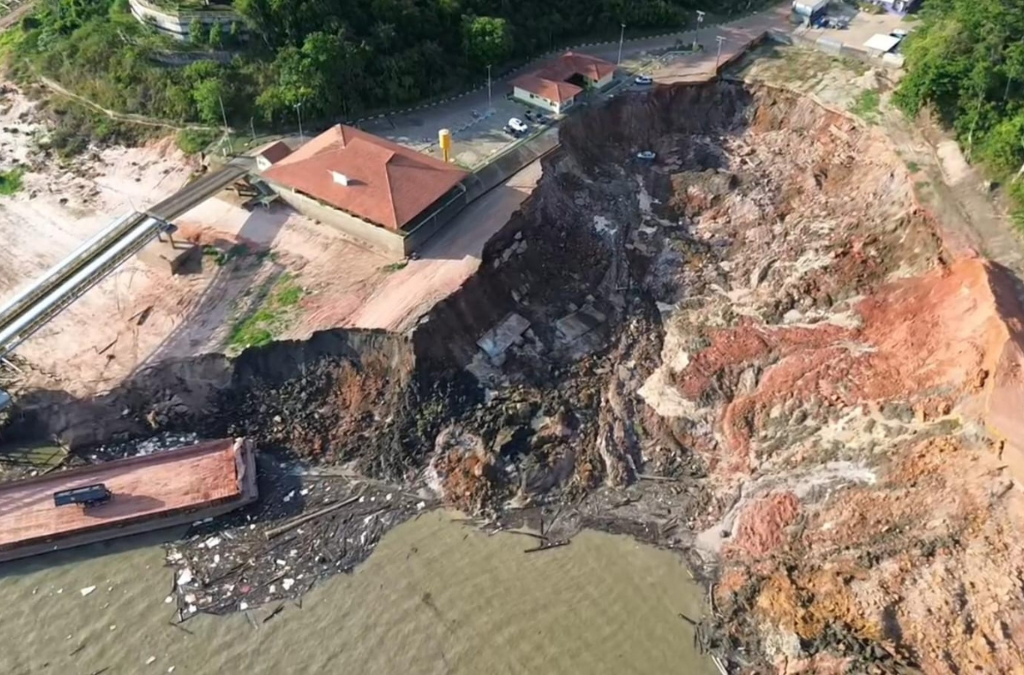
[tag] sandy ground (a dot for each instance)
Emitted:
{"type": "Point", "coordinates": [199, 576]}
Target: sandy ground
{"type": "Point", "coordinates": [448, 261]}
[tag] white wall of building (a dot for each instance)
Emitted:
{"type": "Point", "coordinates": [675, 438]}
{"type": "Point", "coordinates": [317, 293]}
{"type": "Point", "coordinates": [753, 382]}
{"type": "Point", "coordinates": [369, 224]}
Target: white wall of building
{"type": "Point", "coordinates": [539, 101]}
{"type": "Point", "coordinates": [177, 25]}
{"type": "Point", "coordinates": [605, 81]}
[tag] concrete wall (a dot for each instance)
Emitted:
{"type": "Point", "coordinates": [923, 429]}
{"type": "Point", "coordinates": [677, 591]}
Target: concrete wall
{"type": "Point", "coordinates": [176, 24]}
{"type": "Point", "coordinates": [501, 167]}
{"type": "Point", "coordinates": [385, 241]}
{"type": "Point", "coordinates": [837, 48]}
{"type": "Point", "coordinates": [604, 81]}
{"type": "Point", "coordinates": [439, 214]}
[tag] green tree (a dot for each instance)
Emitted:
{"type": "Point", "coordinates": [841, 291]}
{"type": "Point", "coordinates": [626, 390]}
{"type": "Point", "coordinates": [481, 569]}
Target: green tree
{"type": "Point", "coordinates": [216, 40]}
{"type": "Point", "coordinates": [208, 96]}
{"type": "Point", "coordinates": [487, 40]}
{"type": "Point", "coordinates": [196, 34]}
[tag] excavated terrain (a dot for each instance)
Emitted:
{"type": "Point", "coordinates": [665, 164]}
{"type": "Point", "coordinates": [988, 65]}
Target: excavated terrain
{"type": "Point", "coordinates": [754, 349]}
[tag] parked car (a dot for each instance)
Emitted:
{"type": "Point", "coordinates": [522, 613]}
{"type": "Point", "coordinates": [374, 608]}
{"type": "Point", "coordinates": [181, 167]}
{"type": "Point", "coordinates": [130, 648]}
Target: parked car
{"type": "Point", "coordinates": [646, 155]}
{"type": "Point", "coordinates": [518, 126]}
{"type": "Point", "coordinates": [900, 33]}
{"type": "Point", "coordinates": [643, 79]}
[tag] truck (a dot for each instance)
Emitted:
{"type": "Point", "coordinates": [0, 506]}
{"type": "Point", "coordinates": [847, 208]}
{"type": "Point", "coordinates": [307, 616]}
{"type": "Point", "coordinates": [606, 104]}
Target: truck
{"type": "Point", "coordinates": [809, 8]}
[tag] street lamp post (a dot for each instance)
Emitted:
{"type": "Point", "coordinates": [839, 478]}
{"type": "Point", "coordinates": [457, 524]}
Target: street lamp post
{"type": "Point", "coordinates": [622, 36]}
{"type": "Point", "coordinates": [696, 35]}
{"type": "Point", "coordinates": [298, 109]}
{"type": "Point", "coordinates": [489, 107]}
{"type": "Point", "coordinates": [718, 58]}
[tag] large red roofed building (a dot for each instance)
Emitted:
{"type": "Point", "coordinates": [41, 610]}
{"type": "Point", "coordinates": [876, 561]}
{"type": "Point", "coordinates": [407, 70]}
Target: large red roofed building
{"type": "Point", "coordinates": [556, 86]}
{"type": "Point", "coordinates": [361, 176]}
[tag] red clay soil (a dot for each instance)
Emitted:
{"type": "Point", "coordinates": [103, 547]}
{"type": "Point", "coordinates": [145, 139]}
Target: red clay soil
{"type": "Point", "coordinates": [934, 338]}
{"type": "Point", "coordinates": [762, 524]}
{"type": "Point", "coordinates": [946, 587]}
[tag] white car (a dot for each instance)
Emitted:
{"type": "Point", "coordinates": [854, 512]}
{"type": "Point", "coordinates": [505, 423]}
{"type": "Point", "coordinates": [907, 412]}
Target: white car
{"type": "Point", "coordinates": [517, 125]}
{"type": "Point", "coordinates": [643, 79]}
{"type": "Point", "coordinates": [646, 155]}
{"type": "Point", "coordinates": [900, 33]}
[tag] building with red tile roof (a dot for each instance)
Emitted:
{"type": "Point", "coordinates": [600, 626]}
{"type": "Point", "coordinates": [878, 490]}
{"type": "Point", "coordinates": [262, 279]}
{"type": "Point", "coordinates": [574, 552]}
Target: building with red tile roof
{"type": "Point", "coordinates": [556, 85]}
{"type": "Point", "coordinates": [365, 176]}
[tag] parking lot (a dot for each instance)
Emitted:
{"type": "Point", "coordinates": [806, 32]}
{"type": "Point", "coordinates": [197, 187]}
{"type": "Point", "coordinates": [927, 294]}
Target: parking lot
{"type": "Point", "coordinates": [860, 29]}
{"type": "Point", "coordinates": [477, 133]}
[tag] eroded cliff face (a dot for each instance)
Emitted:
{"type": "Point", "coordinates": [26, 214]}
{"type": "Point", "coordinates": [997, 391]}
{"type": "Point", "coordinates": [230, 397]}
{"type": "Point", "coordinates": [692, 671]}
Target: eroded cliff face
{"type": "Point", "coordinates": [786, 335]}
{"type": "Point", "coordinates": [754, 349]}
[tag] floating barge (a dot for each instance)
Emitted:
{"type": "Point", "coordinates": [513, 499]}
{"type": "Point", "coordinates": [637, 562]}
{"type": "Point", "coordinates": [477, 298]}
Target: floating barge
{"type": "Point", "coordinates": [163, 489]}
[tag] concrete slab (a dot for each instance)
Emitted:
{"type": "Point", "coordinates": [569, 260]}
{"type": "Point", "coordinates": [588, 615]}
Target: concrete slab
{"type": "Point", "coordinates": [508, 331]}
{"type": "Point", "coordinates": [169, 255]}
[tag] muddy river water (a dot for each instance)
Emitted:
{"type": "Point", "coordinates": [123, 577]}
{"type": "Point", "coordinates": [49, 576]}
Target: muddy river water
{"type": "Point", "coordinates": [435, 597]}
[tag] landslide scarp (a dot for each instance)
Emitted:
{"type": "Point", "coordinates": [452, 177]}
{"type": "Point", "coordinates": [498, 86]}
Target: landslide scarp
{"type": "Point", "coordinates": [754, 348]}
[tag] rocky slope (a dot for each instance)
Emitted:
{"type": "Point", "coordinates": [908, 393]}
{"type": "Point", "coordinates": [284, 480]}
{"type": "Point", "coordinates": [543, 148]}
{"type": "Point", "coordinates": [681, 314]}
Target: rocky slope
{"type": "Point", "coordinates": [755, 349]}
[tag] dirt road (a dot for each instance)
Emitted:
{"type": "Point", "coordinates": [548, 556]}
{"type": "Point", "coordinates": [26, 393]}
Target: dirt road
{"type": "Point", "coordinates": [448, 261]}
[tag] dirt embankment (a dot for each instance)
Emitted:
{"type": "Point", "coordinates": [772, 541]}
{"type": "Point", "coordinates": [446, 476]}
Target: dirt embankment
{"type": "Point", "coordinates": [754, 349]}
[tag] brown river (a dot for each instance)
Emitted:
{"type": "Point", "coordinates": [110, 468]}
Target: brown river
{"type": "Point", "coordinates": [435, 597]}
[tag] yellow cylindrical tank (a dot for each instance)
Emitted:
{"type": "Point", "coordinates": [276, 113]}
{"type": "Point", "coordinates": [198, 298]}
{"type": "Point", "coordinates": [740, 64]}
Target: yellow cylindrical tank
{"type": "Point", "coordinates": [444, 139]}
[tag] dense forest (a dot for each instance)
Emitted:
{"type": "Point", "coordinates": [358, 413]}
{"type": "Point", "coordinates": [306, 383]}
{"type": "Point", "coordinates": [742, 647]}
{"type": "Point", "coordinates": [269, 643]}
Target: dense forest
{"type": "Point", "coordinates": [966, 61]}
{"type": "Point", "coordinates": [338, 58]}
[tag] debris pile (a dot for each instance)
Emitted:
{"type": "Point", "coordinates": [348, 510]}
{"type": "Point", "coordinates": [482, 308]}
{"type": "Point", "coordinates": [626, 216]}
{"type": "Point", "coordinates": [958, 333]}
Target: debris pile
{"type": "Point", "coordinates": [753, 349]}
{"type": "Point", "coordinates": [305, 528]}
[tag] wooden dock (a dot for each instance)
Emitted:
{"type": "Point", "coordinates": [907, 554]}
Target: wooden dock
{"type": "Point", "coordinates": [163, 489]}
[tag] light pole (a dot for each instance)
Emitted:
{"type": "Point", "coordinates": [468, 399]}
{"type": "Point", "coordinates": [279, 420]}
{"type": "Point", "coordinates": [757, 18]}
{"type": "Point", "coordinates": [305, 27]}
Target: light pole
{"type": "Point", "coordinates": [298, 109]}
{"type": "Point", "coordinates": [718, 58]}
{"type": "Point", "coordinates": [696, 35]}
{"type": "Point", "coordinates": [489, 108]}
{"type": "Point", "coordinates": [224, 117]}
{"type": "Point", "coordinates": [622, 37]}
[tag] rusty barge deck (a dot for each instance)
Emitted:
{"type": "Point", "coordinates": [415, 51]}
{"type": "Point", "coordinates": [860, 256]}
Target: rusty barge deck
{"type": "Point", "coordinates": [150, 492]}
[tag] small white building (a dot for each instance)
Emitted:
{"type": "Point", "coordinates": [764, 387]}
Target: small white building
{"type": "Point", "coordinates": [556, 86]}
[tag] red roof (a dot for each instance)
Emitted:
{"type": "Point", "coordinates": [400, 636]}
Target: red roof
{"type": "Point", "coordinates": [387, 184]}
{"type": "Point", "coordinates": [551, 81]}
{"type": "Point", "coordinates": [552, 90]}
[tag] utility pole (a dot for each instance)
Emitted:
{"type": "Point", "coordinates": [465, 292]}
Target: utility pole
{"type": "Point", "coordinates": [224, 117]}
{"type": "Point", "coordinates": [489, 108]}
{"type": "Point", "coordinates": [718, 58]}
{"type": "Point", "coordinates": [298, 109]}
{"type": "Point", "coordinates": [696, 35]}
{"type": "Point", "coordinates": [252, 130]}
{"type": "Point", "coordinates": [622, 36]}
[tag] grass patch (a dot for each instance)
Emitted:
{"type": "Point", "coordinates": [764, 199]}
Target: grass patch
{"type": "Point", "coordinates": [395, 266]}
{"type": "Point", "coordinates": [194, 141]}
{"type": "Point", "coordinates": [10, 181]}
{"type": "Point", "coordinates": [259, 329]}
{"type": "Point", "coordinates": [867, 105]}
{"type": "Point", "coordinates": [1016, 193]}
{"type": "Point", "coordinates": [913, 167]}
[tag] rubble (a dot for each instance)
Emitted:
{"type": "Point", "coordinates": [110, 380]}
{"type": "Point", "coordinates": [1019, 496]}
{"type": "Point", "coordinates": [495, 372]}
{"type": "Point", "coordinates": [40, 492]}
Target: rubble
{"type": "Point", "coordinates": [754, 350]}
{"type": "Point", "coordinates": [277, 549]}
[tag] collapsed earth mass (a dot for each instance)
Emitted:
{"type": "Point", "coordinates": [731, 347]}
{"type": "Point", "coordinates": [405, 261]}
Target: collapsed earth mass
{"type": "Point", "coordinates": [757, 349]}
